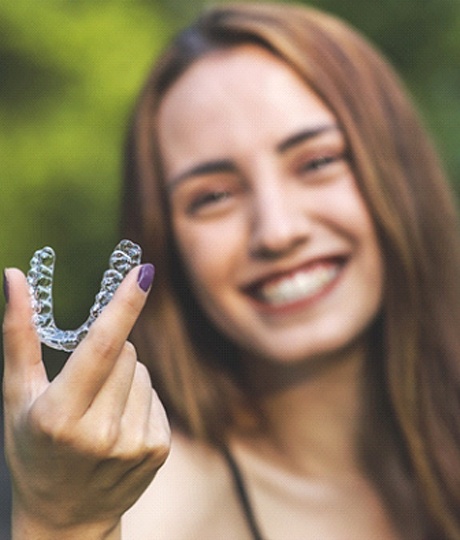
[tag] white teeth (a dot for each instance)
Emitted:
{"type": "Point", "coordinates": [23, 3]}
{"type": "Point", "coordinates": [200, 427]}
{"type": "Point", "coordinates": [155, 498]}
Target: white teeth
{"type": "Point", "coordinates": [299, 286]}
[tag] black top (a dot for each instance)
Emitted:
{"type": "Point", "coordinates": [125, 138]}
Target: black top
{"type": "Point", "coordinates": [243, 495]}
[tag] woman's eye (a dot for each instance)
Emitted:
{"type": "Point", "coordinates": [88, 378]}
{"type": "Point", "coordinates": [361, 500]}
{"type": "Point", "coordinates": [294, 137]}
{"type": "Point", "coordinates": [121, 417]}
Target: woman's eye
{"type": "Point", "coordinates": [320, 163]}
{"type": "Point", "coordinates": [207, 200]}
{"type": "Point", "coordinates": [322, 168]}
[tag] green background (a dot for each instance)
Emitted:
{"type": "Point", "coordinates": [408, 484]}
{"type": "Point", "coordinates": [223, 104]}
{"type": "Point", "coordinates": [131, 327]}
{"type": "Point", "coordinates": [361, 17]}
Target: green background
{"type": "Point", "coordinates": [70, 71]}
{"type": "Point", "coordinates": [69, 74]}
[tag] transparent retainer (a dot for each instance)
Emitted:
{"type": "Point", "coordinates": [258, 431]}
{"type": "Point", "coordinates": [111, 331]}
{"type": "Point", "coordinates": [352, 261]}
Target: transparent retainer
{"type": "Point", "coordinates": [125, 256]}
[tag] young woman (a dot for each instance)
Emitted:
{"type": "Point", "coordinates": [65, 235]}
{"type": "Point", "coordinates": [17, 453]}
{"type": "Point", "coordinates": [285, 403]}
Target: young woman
{"type": "Point", "coordinates": [302, 332]}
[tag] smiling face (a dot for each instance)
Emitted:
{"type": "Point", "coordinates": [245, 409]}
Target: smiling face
{"type": "Point", "coordinates": [273, 231]}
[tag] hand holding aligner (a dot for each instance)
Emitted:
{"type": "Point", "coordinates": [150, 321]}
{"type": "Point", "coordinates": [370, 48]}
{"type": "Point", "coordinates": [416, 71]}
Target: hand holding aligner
{"type": "Point", "coordinates": [125, 256]}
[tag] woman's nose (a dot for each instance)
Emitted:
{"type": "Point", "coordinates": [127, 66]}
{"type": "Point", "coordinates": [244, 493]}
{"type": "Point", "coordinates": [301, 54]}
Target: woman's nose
{"type": "Point", "coordinates": [278, 224]}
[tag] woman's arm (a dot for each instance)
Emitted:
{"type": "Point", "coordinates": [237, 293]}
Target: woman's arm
{"type": "Point", "coordinates": [82, 448]}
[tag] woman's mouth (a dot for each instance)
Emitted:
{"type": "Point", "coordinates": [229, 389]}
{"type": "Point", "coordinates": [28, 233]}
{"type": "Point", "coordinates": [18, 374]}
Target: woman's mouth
{"type": "Point", "coordinates": [301, 285]}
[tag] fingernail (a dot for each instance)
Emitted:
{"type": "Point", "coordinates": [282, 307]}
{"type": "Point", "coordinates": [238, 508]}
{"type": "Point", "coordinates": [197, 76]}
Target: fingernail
{"type": "Point", "coordinates": [145, 276]}
{"type": "Point", "coordinates": [6, 290]}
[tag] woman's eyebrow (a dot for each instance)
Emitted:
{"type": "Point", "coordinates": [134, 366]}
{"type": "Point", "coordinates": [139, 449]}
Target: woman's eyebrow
{"type": "Point", "coordinates": [226, 165]}
{"type": "Point", "coordinates": [304, 135]}
{"type": "Point", "coordinates": [208, 167]}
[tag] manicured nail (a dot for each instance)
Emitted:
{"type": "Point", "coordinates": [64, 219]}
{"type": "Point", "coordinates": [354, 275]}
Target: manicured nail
{"type": "Point", "coordinates": [6, 290]}
{"type": "Point", "coordinates": [145, 276]}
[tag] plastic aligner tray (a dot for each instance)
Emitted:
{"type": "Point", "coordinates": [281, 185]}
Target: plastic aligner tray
{"type": "Point", "coordinates": [125, 256]}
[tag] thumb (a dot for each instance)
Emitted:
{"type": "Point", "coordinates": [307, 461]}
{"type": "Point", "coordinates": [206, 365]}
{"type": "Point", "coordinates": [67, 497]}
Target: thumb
{"type": "Point", "coordinates": [24, 371]}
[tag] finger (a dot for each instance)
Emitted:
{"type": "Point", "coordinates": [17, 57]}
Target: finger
{"type": "Point", "coordinates": [138, 409]}
{"type": "Point", "coordinates": [145, 428]}
{"type": "Point", "coordinates": [121, 436]}
{"type": "Point", "coordinates": [147, 442]}
{"type": "Point", "coordinates": [143, 443]}
{"type": "Point", "coordinates": [110, 402]}
{"type": "Point", "coordinates": [158, 430]}
{"type": "Point", "coordinates": [24, 372]}
{"type": "Point", "coordinates": [89, 366]}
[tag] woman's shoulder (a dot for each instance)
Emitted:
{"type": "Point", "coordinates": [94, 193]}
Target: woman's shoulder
{"type": "Point", "coordinates": [191, 497]}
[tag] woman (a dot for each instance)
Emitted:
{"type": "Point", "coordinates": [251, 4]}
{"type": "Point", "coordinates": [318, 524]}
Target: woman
{"type": "Point", "coordinates": [302, 331]}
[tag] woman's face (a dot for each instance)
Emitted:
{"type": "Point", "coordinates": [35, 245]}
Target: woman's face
{"type": "Point", "coordinates": [270, 224]}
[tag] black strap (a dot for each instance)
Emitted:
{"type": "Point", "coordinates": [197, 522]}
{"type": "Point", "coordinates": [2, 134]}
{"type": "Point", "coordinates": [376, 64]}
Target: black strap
{"type": "Point", "coordinates": [243, 495]}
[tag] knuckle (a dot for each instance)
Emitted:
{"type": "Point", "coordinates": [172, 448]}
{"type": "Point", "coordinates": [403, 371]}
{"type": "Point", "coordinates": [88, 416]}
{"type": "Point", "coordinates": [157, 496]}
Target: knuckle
{"type": "Point", "coordinates": [129, 349]}
{"type": "Point", "coordinates": [60, 431]}
{"type": "Point", "coordinates": [159, 452]}
{"type": "Point", "coordinates": [158, 443]}
{"type": "Point", "coordinates": [105, 439]}
{"type": "Point", "coordinates": [154, 451]}
{"type": "Point", "coordinates": [107, 345]}
{"type": "Point", "coordinates": [145, 445]}
{"type": "Point", "coordinates": [142, 375]}
{"type": "Point", "coordinates": [57, 429]}
{"type": "Point", "coordinates": [104, 345]}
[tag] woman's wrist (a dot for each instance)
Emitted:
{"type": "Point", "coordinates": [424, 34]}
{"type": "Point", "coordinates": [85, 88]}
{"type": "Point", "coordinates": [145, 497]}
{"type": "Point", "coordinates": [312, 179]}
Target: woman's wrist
{"type": "Point", "coordinates": [28, 527]}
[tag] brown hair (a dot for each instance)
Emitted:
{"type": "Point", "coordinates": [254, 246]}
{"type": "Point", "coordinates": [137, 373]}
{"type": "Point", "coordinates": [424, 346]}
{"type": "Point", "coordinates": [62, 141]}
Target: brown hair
{"type": "Point", "coordinates": [410, 440]}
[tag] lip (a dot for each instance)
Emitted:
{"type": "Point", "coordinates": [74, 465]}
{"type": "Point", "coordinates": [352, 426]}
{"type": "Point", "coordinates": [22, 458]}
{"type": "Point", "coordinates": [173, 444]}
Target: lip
{"type": "Point", "coordinates": [253, 290]}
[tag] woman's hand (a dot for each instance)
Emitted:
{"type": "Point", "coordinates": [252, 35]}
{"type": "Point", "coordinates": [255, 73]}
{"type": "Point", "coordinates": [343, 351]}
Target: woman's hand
{"type": "Point", "coordinates": [82, 448]}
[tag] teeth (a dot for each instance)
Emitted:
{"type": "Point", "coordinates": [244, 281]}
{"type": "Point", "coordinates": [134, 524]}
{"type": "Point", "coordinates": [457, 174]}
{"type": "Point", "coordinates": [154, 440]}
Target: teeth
{"type": "Point", "coordinates": [299, 286]}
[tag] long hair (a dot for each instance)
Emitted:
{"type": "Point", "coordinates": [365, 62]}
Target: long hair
{"type": "Point", "coordinates": [410, 436]}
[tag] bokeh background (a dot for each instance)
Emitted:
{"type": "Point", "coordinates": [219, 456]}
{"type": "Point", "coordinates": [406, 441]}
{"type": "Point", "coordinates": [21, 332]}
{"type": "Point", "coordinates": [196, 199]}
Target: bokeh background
{"type": "Point", "coordinates": [69, 74]}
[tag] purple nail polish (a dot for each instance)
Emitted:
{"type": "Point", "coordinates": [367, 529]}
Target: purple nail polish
{"type": "Point", "coordinates": [6, 290]}
{"type": "Point", "coordinates": [145, 276]}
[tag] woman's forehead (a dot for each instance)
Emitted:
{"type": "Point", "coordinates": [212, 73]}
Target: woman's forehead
{"type": "Point", "coordinates": [242, 94]}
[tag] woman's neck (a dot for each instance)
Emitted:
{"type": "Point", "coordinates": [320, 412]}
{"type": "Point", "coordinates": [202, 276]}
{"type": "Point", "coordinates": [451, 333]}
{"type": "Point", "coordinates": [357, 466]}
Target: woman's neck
{"type": "Point", "coordinates": [312, 413]}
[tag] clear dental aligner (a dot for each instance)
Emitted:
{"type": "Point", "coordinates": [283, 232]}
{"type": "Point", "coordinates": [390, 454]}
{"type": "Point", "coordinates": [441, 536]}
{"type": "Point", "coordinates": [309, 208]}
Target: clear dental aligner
{"type": "Point", "coordinates": [125, 256]}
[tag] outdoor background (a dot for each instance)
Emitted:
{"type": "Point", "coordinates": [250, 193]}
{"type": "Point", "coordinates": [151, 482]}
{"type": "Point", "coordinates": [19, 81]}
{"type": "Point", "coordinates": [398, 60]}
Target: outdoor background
{"type": "Point", "coordinates": [69, 74]}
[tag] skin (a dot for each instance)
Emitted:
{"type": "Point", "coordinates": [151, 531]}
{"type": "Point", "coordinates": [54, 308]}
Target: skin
{"type": "Point", "coordinates": [83, 447]}
{"type": "Point", "coordinates": [251, 200]}
{"type": "Point", "coordinates": [276, 203]}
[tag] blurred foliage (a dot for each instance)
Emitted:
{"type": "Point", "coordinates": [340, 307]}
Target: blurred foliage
{"type": "Point", "coordinates": [69, 74]}
{"type": "Point", "coordinates": [421, 38]}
